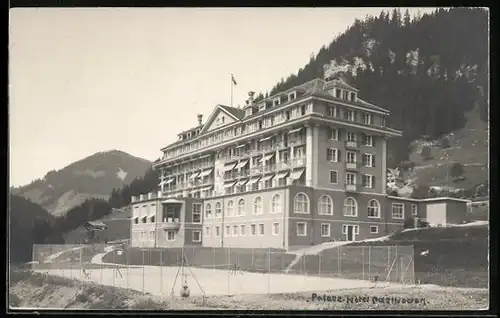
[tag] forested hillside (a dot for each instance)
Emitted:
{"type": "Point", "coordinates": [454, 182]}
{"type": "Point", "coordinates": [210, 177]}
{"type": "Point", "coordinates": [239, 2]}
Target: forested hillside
{"type": "Point", "coordinates": [428, 71]}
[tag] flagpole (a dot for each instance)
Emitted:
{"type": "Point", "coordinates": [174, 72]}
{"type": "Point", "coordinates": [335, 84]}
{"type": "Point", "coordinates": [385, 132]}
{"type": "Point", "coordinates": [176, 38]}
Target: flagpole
{"type": "Point", "coordinates": [231, 90]}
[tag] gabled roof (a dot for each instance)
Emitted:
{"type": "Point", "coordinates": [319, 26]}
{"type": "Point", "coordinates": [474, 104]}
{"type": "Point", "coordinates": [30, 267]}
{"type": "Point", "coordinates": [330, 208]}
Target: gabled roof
{"type": "Point", "coordinates": [236, 112]}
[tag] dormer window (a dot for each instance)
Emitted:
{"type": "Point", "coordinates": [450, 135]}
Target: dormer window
{"type": "Point", "coordinates": [262, 107]}
{"type": "Point", "coordinates": [292, 96]}
{"type": "Point", "coordinates": [248, 111]}
{"type": "Point", "coordinates": [353, 97]}
{"type": "Point", "coordinates": [345, 95]}
{"type": "Point", "coordinates": [349, 115]}
{"type": "Point", "coordinates": [276, 101]}
{"type": "Point", "coordinates": [368, 119]}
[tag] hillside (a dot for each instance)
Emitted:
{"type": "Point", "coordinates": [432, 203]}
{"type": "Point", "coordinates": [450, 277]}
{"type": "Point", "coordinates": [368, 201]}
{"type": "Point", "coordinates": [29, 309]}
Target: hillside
{"type": "Point", "coordinates": [468, 146]}
{"type": "Point", "coordinates": [93, 177]}
{"type": "Point", "coordinates": [428, 71]}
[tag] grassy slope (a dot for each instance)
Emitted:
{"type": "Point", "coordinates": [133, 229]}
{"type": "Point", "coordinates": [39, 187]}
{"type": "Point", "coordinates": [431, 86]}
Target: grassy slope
{"type": "Point", "coordinates": [468, 146]}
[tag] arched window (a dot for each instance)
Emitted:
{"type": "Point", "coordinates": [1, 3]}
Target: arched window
{"type": "Point", "coordinates": [241, 207]}
{"type": "Point", "coordinates": [325, 205]}
{"type": "Point", "coordinates": [218, 210]}
{"type": "Point", "coordinates": [301, 203]}
{"type": "Point", "coordinates": [208, 211]}
{"type": "Point", "coordinates": [230, 208]}
{"type": "Point", "coordinates": [257, 206]}
{"type": "Point", "coordinates": [276, 204]}
{"type": "Point", "coordinates": [350, 207]}
{"type": "Point", "coordinates": [373, 209]}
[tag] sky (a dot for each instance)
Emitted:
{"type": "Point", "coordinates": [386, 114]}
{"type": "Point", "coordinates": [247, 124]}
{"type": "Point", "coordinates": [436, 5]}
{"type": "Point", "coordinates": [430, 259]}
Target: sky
{"type": "Point", "coordinates": [85, 80]}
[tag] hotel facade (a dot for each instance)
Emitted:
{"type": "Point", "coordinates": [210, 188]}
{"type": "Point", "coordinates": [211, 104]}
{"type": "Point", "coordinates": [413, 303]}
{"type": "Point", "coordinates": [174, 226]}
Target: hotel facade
{"type": "Point", "coordinates": [302, 167]}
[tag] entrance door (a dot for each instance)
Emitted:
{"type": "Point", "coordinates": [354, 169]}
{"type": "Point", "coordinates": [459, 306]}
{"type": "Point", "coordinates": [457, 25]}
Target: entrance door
{"type": "Point", "coordinates": [350, 233]}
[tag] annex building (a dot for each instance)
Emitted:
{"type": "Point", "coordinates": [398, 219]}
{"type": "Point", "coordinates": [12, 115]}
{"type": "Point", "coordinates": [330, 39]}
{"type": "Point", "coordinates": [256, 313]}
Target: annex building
{"type": "Point", "coordinates": [302, 167]}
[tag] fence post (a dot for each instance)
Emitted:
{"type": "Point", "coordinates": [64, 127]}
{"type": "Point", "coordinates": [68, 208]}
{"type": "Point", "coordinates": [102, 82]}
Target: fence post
{"type": "Point", "coordinates": [339, 260]}
{"type": "Point", "coordinates": [396, 258]}
{"type": "Point", "coordinates": [369, 262]}
{"type": "Point", "coordinates": [114, 265]}
{"type": "Point", "coordinates": [363, 257]}
{"type": "Point", "coordinates": [319, 264]}
{"type": "Point", "coordinates": [228, 273]}
{"type": "Point", "coordinates": [213, 264]}
{"type": "Point", "coordinates": [388, 260]}
{"type": "Point", "coordinates": [268, 270]}
{"type": "Point", "coordinates": [253, 266]}
{"type": "Point", "coordinates": [161, 272]}
{"type": "Point", "coordinates": [143, 291]}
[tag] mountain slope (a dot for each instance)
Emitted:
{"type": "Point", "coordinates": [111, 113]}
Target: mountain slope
{"type": "Point", "coordinates": [93, 177]}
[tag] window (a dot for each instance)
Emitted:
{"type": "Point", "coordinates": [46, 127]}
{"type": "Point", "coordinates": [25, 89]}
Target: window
{"type": "Point", "coordinates": [351, 136]}
{"type": "Point", "coordinates": [350, 207]}
{"type": "Point", "coordinates": [301, 229]}
{"type": "Point", "coordinates": [218, 210]}
{"type": "Point", "coordinates": [235, 230]}
{"type": "Point", "coordinates": [228, 230]}
{"type": "Point", "coordinates": [345, 95]}
{"type": "Point", "coordinates": [353, 97]}
{"type": "Point", "coordinates": [334, 177]}
{"type": "Point", "coordinates": [338, 93]}
{"type": "Point", "coordinates": [170, 235]}
{"type": "Point", "coordinates": [257, 206]}
{"type": "Point", "coordinates": [196, 236]}
{"type": "Point", "coordinates": [217, 231]}
{"type": "Point", "coordinates": [276, 228]}
{"type": "Point", "coordinates": [208, 211]}
{"type": "Point", "coordinates": [367, 159]}
{"type": "Point", "coordinates": [373, 209]}
{"type": "Point", "coordinates": [368, 119]}
{"type": "Point", "coordinates": [153, 219]}
{"type": "Point", "coordinates": [332, 111]}
{"type": "Point", "coordinates": [414, 210]}
{"type": "Point", "coordinates": [292, 95]}
{"type": "Point", "coordinates": [301, 203]}
{"type": "Point", "coordinates": [351, 157]}
{"type": "Point", "coordinates": [261, 229]}
{"type": "Point", "coordinates": [325, 230]}
{"type": "Point", "coordinates": [230, 208]}
{"type": "Point", "coordinates": [241, 207]}
{"type": "Point", "coordinates": [373, 229]}
{"type": "Point", "coordinates": [276, 204]}
{"type": "Point", "coordinates": [325, 205]}
{"type": "Point", "coordinates": [252, 229]}
{"type": "Point", "coordinates": [332, 155]}
{"type": "Point", "coordinates": [207, 231]}
{"type": "Point", "coordinates": [196, 212]}
{"type": "Point", "coordinates": [350, 178]}
{"type": "Point", "coordinates": [268, 183]}
{"type": "Point", "coordinates": [368, 140]}
{"type": "Point", "coordinates": [349, 115]}
{"type": "Point", "coordinates": [242, 230]}
{"type": "Point", "coordinates": [367, 181]}
{"type": "Point", "coordinates": [152, 235]}
{"type": "Point", "coordinates": [398, 210]}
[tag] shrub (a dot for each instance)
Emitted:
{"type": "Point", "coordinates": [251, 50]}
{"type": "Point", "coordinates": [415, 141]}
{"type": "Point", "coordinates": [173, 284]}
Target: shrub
{"type": "Point", "coordinates": [420, 192]}
{"type": "Point", "coordinates": [444, 143]}
{"type": "Point", "coordinates": [456, 170]}
{"type": "Point", "coordinates": [426, 152]}
{"type": "Point", "coordinates": [407, 165]}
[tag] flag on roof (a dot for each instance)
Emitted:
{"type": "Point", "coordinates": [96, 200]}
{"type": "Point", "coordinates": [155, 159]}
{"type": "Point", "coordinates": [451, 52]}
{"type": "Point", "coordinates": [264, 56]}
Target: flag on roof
{"type": "Point", "coordinates": [234, 81]}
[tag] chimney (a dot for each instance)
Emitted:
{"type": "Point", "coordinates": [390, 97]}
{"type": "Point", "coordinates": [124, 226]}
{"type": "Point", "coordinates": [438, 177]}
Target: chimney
{"type": "Point", "coordinates": [200, 118]}
{"type": "Point", "coordinates": [247, 102]}
{"type": "Point", "coordinates": [250, 98]}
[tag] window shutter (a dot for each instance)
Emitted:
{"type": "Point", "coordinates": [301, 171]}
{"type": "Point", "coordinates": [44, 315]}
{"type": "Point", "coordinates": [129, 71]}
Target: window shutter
{"type": "Point", "coordinates": [356, 229]}
{"type": "Point", "coordinates": [339, 157]}
{"type": "Point", "coordinates": [373, 141]}
{"type": "Point", "coordinates": [344, 229]}
{"type": "Point", "coordinates": [373, 181]}
{"type": "Point", "coordinates": [339, 134]}
{"type": "Point", "coordinates": [373, 160]}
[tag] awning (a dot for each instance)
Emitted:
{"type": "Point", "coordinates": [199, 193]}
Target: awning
{"type": "Point", "coordinates": [295, 130]}
{"type": "Point", "coordinates": [230, 166]}
{"type": "Point", "coordinates": [162, 182]}
{"type": "Point", "coordinates": [268, 177]}
{"type": "Point", "coordinates": [169, 181]}
{"type": "Point", "coordinates": [194, 176]}
{"type": "Point", "coordinates": [193, 191]}
{"type": "Point", "coordinates": [229, 185]}
{"type": "Point", "coordinates": [206, 173]}
{"type": "Point", "coordinates": [207, 188]}
{"type": "Point", "coordinates": [264, 139]}
{"type": "Point", "coordinates": [255, 179]}
{"type": "Point", "coordinates": [241, 164]}
{"type": "Point", "coordinates": [205, 156]}
{"type": "Point", "coordinates": [239, 146]}
{"type": "Point", "coordinates": [296, 174]}
{"type": "Point", "coordinates": [267, 157]}
{"type": "Point", "coordinates": [242, 182]}
{"type": "Point", "coordinates": [283, 174]}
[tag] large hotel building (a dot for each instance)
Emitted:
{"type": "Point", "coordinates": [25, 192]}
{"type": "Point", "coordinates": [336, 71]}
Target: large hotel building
{"type": "Point", "coordinates": [302, 167]}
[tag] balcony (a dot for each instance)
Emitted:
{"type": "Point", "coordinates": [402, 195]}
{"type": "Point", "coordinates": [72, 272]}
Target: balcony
{"type": "Point", "coordinates": [298, 162]}
{"type": "Point", "coordinates": [170, 224]}
{"type": "Point", "coordinates": [352, 166]}
{"type": "Point", "coordinates": [269, 168]}
{"type": "Point", "coordinates": [351, 187]}
{"type": "Point", "coordinates": [296, 141]}
{"type": "Point", "coordinates": [256, 170]}
{"type": "Point", "coordinates": [350, 144]}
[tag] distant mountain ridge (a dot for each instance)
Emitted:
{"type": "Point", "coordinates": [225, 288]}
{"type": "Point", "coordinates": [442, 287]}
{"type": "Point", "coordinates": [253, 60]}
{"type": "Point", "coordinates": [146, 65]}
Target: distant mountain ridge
{"type": "Point", "coordinates": [92, 177]}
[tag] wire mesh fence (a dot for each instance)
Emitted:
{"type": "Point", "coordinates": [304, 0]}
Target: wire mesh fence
{"type": "Point", "coordinates": [226, 271]}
